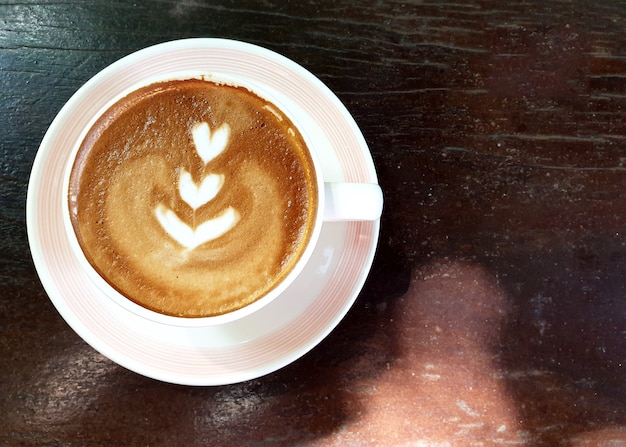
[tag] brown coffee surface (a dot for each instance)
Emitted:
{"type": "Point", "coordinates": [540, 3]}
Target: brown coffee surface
{"type": "Point", "coordinates": [130, 177]}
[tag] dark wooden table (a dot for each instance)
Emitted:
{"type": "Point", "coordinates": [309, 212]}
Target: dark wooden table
{"type": "Point", "coordinates": [495, 312]}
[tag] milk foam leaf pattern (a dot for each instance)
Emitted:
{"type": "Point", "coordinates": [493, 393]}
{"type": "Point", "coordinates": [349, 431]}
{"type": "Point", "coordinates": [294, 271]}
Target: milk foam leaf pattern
{"type": "Point", "coordinates": [196, 195]}
{"type": "Point", "coordinates": [208, 146]}
{"type": "Point", "coordinates": [207, 231]}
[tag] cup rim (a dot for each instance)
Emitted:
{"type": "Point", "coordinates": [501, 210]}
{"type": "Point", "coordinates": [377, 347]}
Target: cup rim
{"type": "Point", "coordinates": [220, 78]}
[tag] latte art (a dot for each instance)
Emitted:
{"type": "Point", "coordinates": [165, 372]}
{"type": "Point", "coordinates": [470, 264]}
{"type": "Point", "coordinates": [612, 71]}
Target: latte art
{"type": "Point", "coordinates": [208, 147]}
{"type": "Point", "coordinates": [193, 198]}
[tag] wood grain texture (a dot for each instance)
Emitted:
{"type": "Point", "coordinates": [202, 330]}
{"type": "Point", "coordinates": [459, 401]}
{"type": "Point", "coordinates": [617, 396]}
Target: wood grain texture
{"type": "Point", "coordinates": [495, 312]}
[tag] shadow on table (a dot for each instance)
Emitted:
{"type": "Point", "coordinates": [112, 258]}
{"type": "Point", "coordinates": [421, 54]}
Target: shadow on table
{"type": "Point", "coordinates": [564, 344]}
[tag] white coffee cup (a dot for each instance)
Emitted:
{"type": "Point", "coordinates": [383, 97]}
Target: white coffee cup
{"type": "Point", "coordinates": [337, 201]}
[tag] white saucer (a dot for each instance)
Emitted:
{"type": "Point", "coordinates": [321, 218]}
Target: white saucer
{"type": "Point", "coordinates": [258, 344]}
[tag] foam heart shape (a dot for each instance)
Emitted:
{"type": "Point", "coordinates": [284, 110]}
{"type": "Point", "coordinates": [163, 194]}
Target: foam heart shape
{"type": "Point", "coordinates": [210, 145]}
{"type": "Point", "coordinates": [196, 195]}
{"type": "Point", "coordinates": [205, 232]}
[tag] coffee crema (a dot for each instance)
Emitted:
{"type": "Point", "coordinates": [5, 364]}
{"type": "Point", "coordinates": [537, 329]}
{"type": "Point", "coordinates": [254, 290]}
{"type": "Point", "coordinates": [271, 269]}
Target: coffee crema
{"type": "Point", "coordinates": [193, 198]}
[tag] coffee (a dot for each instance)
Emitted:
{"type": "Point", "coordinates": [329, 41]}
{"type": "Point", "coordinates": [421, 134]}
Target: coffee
{"type": "Point", "coordinates": [193, 198]}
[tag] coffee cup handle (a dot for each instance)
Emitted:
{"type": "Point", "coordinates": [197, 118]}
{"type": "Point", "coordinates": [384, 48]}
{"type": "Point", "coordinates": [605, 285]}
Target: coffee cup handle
{"type": "Point", "coordinates": [352, 201]}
